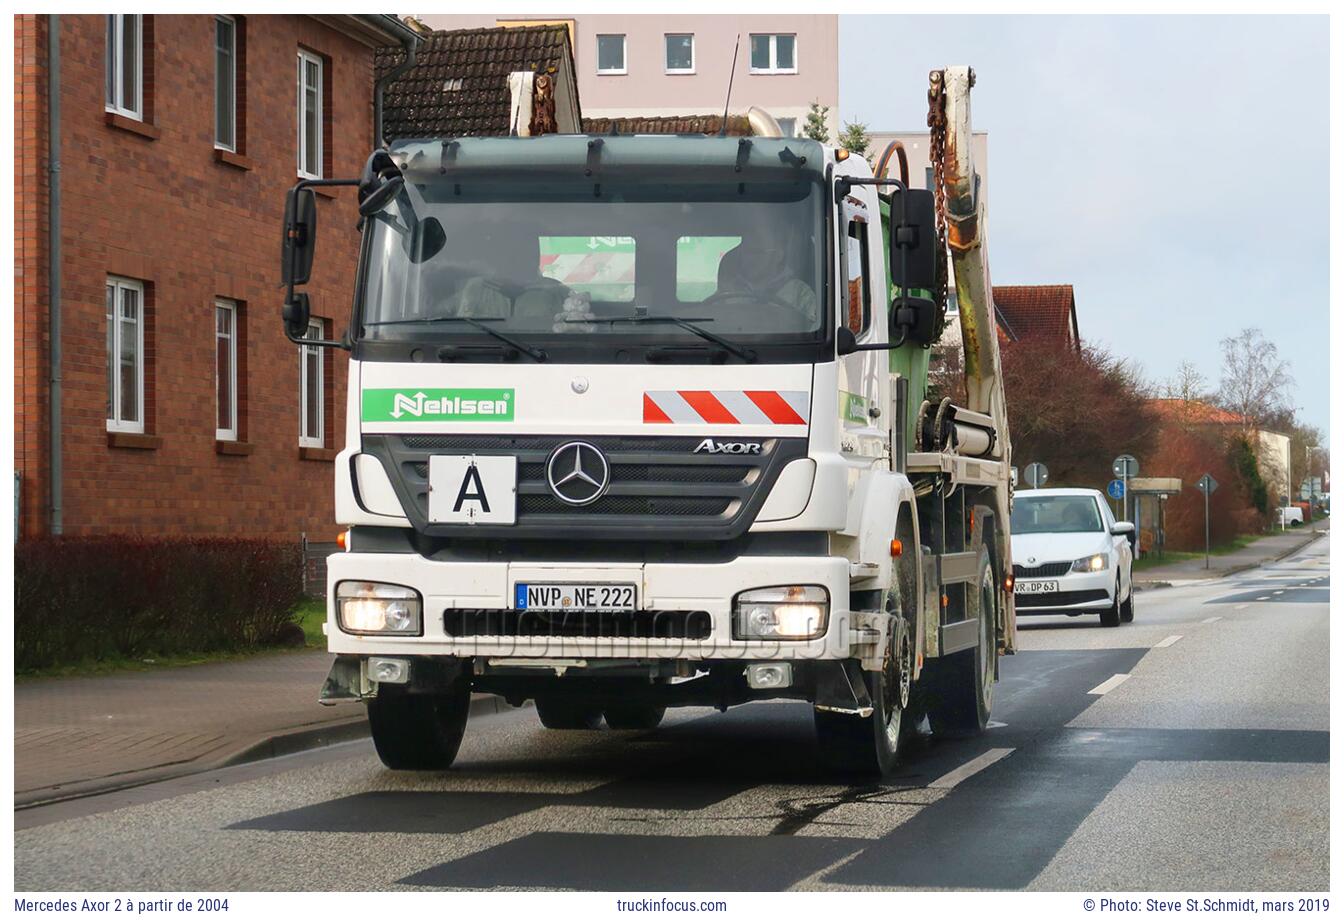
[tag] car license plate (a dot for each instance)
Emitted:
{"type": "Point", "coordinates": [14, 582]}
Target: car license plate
{"type": "Point", "coordinates": [1036, 587]}
{"type": "Point", "coordinates": [605, 598]}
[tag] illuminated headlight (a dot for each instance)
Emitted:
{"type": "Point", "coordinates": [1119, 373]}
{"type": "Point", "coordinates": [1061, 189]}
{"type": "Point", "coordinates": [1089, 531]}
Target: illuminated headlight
{"type": "Point", "coordinates": [1091, 563]}
{"type": "Point", "coordinates": [370, 608]}
{"type": "Point", "coordinates": [791, 612]}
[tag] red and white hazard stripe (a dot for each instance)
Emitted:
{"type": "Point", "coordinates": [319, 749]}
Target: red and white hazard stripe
{"type": "Point", "coordinates": [725, 407]}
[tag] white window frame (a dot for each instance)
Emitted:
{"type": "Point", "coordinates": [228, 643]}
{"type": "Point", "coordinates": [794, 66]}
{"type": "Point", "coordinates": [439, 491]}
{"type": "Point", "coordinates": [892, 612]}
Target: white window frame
{"type": "Point", "coordinates": [227, 434]}
{"type": "Point", "coordinates": [318, 354]}
{"type": "Point", "coordinates": [118, 103]}
{"type": "Point", "coordinates": [774, 67]}
{"type": "Point", "coordinates": [306, 57]}
{"type": "Point", "coordinates": [625, 60]}
{"type": "Point", "coordinates": [119, 285]}
{"type": "Point", "coordinates": [678, 70]}
{"type": "Point", "coordinates": [232, 145]}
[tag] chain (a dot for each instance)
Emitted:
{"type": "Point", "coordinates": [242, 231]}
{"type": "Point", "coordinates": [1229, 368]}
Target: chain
{"type": "Point", "coordinates": [937, 122]}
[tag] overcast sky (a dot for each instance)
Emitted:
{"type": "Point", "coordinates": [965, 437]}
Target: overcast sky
{"type": "Point", "coordinates": [1173, 169]}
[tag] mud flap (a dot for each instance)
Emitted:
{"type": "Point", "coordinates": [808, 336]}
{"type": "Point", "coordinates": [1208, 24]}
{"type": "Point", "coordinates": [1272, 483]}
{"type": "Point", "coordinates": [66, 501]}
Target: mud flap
{"type": "Point", "coordinates": [840, 687]}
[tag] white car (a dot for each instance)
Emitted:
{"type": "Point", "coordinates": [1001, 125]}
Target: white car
{"type": "Point", "coordinates": [1071, 556]}
{"type": "Point", "coordinates": [1290, 516]}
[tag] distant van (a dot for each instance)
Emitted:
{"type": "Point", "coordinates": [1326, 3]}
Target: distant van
{"type": "Point", "coordinates": [1290, 517]}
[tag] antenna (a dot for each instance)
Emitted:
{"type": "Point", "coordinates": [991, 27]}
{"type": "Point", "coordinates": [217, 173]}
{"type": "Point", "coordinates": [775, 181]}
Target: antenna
{"type": "Point", "coordinates": [723, 126]}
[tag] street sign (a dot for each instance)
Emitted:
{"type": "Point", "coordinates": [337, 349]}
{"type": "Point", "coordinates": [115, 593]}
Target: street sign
{"type": "Point", "coordinates": [1037, 475]}
{"type": "Point", "coordinates": [1116, 489]}
{"type": "Point", "coordinates": [1207, 484]}
{"type": "Point", "coordinates": [1125, 467]}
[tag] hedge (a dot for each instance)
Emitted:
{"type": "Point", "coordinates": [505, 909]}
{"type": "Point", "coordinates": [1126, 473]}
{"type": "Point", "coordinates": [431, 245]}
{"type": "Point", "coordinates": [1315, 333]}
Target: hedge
{"type": "Point", "coordinates": [82, 599]}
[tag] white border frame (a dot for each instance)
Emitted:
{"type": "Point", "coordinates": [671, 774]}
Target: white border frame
{"type": "Point", "coordinates": [233, 88]}
{"type": "Point", "coordinates": [318, 353]}
{"type": "Point", "coordinates": [118, 105]}
{"type": "Point", "coordinates": [310, 57]}
{"type": "Point", "coordinates": [625, 54]}
{"type": "Point", "coordinates": [672, 71]}
{"type": "Point", "coordinates": [774, 67]}
{"type": "Point", "coordinates": [119, 284]}
{"type": "Point", "coordinates": [227, 434]}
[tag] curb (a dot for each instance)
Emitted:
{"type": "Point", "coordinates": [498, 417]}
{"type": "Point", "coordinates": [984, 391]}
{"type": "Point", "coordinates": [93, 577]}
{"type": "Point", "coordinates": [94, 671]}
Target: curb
{"type": "Point", "coordinates": [1237, 570]}
{"type": "Point", "coordinates": [280, 744]}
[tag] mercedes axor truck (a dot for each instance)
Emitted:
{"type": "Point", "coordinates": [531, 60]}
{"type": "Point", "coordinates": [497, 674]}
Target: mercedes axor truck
{"type": "Point", "coordinates": [637, 422]}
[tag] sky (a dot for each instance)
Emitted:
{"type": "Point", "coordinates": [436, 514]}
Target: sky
{"type": "Point", "coordinates": [1173, 169]}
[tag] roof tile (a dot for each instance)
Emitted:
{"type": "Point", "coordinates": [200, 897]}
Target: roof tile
{"type": "Point", "coordinates": [1030, 310]}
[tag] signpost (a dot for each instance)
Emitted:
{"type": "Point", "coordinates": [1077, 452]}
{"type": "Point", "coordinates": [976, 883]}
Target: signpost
{"type": "Point", "coordinates": [1037, 475]}
{"type": "Point", "coordinates": [1125, 468]}
{"type": "Point", "coordinates": [1207, 484]}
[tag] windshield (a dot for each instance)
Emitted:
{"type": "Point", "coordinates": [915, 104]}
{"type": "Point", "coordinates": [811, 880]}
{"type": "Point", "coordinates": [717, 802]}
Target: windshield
{"type": "Point", "coordinates": [596, 266]}
{"type": "Point", "coordinates": [1056, 514]}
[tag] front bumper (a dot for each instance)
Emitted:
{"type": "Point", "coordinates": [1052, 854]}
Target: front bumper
{"type": "Point", "coordinates": [1078, 591]}
{"type": "Point", "coordinates": [708, 587]}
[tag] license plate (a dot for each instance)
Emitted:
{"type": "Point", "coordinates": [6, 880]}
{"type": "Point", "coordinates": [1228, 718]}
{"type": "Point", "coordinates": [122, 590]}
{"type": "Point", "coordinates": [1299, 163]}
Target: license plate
{"type": "Point", "coordinates": [473, 490]}
{"type": "Point", "coordinates": [606, 598]}
{"type": "Point", "coordinates": [1036, 587]}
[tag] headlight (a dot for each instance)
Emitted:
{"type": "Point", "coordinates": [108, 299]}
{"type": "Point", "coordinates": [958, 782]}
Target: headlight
{"type": "Point", "coordinates": [370, 608]}
{"type": "Point", "coordinates": [1091, 563]}
{"type": "Point", "coordinates": [787, 612]}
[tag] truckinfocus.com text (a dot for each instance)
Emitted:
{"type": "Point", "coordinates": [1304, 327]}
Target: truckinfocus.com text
{"type": "Point", "coordinates": [656, 905]}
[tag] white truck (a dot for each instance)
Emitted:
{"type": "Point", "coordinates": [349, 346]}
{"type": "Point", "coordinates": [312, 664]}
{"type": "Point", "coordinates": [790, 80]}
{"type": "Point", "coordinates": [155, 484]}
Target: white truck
{"type": "Point", "coordinates": [639, 422]}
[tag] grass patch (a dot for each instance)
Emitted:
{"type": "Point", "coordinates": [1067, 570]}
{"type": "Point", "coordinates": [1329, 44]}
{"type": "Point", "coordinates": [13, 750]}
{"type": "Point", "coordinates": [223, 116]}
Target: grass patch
{"type": "Point", "coordinates": [1169, 557]}
{"type": "Point", "coordinates": [312, 614]}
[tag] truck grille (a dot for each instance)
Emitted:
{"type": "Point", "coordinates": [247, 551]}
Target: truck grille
{"type": "Point", "coordinates": [660, 487]}
{"type": "Point", "coordinates": [1047, 570]}
{"type": "Point", "coordinates": [639, 624]}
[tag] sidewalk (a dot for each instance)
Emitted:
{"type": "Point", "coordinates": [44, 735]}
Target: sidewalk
{"type": "Point", "coordinates": [1266, 549]}
{"type": "Point", "coordinates": [81, 735]}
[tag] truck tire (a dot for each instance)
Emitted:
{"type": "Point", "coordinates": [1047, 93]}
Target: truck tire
{"type": "Point", "coordinates": [567, 715]}
{"type": "Point", "coordinates": [961, 685]}
{"type": "Point", "coordinates": [634, 716]}
{"type": "Point", "coordinates": [419, 731]}
{"type": "Point", "coordinates": [1113, 615]}
{"type": "Point", "coordinates": [870, 745]}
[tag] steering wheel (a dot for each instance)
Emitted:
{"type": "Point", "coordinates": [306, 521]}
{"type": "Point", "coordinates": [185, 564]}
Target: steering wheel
{"type": "Point", "coordinates": [772, 299]}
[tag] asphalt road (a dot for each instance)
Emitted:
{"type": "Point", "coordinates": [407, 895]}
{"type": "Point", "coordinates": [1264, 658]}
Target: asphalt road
{"type": "Point", "coordinates": [1186, 751]}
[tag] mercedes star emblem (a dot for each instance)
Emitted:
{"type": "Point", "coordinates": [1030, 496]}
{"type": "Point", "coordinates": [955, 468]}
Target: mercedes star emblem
{"type": "Point", "coordinates": [578, 473]}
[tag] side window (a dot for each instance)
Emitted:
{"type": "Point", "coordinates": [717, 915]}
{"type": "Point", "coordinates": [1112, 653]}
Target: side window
{"type": "Point", "coordinates": [611, 54]}
{"type": "Point", "coordinates": [698, 259]}
{"type": "Point", "coordinates": [312, 389]}
{"type": "Point", "coordinates": [856, 275]}
{"type": "Point", "coordinates": [603, 267]}
{"type": "Point", "coordinates": [125, 65]}
{"type": "Point", "coordinates": [311, 128]}
{"type": "Point", "coordinates": [125, 355]}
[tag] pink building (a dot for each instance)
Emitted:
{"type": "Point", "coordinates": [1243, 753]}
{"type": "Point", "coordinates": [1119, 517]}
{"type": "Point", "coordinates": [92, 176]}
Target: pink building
{"type": "Point", "coordinates": [632, 64]}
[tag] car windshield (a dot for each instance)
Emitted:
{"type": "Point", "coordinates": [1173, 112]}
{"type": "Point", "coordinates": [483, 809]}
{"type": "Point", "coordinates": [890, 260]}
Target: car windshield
{"type": "Point", "coordinates": [1056, 514]}
{"type": "Point", "coordinates": [594, 266]}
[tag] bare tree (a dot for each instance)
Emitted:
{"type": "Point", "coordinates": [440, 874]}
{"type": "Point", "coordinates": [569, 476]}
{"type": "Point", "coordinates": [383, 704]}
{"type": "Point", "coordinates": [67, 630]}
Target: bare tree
{"type": "Point", "coordinates": [1188, 384]}
{"type": "Point", "coordinates": [1256, 382]}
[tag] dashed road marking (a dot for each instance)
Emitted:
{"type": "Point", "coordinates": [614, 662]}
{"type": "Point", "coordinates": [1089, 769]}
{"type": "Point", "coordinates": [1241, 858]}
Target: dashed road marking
{"type": "Point", "coordinates": [1278, 592]}
{"type": "Point", "coordinates": [1265, 598]}
{"type": "Point", "coordinates": [1168, 642]}
{"type": "Point", "coordinates": [970, 768]}
{"type": "Point", "coordinates": [1211, 620]}
{"type": "Point", "coordinates": [1107, 685]}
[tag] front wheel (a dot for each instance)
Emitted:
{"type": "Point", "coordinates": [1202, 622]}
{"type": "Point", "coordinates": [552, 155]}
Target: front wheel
{"type": "Point", "coordinates": [419, 731]}
{"type": "Point", "coordinates": [870, 745]}
{"type": "Point", "coordinates": [1113, 615]}
{"type": "Point", "coordinates": [1127, 608]}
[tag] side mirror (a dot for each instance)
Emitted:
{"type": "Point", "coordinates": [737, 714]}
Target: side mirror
{"type": "Point", "coordinates": [1122, 528]}
{"type": "Point", "coordinates": [912, 319]}
{"type": "Point", "coordinates": [296, 251]}
{"type": "Point", "coordinates": [917, 236]}
{"type": "Point", "coordinates": [378, 198]}
{"type": "Point", "coordinates": [296, 313]}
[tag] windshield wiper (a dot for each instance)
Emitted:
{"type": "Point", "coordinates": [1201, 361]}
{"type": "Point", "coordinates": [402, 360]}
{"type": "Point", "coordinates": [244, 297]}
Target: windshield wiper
{"type": "Point", "coordinates": [531, 351]}
{"type": "Point", "coordinates": [746, 354]}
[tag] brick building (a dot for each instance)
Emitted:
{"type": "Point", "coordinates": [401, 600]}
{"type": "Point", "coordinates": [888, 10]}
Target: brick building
{"type": "Point", "coordinates": [182, 407]}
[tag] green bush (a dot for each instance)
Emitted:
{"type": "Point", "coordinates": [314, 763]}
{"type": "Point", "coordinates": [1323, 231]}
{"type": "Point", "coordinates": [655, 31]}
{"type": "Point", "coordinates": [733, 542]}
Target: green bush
{"type": "Point", "coordinates": [93, 598]}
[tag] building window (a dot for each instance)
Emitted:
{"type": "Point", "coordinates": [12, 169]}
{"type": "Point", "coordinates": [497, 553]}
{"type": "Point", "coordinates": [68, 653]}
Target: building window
{"type": "Point", "coordinates": [774, 54]}
{"type": "Point", "coordinates": [125, 64]}
{"type": "Point", "coordinates": [226, 83]}
{"type": "Point", "coordinates": [125, 355]}
{"type": "Point", "coordinates": [788, 127]}
{"type": "Point", "coordinates": [680, 53]}
{"type": "Point", "coordinates": [611, 54]}
{"type": "Point", "coordinates": [226, 370]}
{"type": "Point", "coordinates": [312, 384]}
{"type": "Point", "coordinates": [856, 261]}
{"type": "Point", "coordinates": [310, 115]}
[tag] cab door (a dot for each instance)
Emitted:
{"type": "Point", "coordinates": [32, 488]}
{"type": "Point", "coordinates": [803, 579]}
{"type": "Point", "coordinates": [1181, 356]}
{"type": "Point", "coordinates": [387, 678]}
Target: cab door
{"type": "Point", "coordinates": [865, 383]}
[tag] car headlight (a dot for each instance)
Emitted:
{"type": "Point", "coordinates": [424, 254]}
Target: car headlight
{"type": "Point", "coordinates": [786, 612]}
{"type": "Point", "coordinates": [371, 608]}
{"type": "Point", "coordinates": [1096, 563]}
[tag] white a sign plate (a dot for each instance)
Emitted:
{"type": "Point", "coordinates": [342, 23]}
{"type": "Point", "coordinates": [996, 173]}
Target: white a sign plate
{"type": "Point", "coordinates": [473, 490]}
